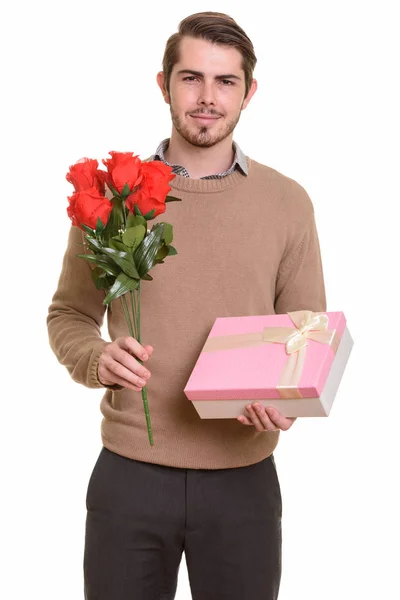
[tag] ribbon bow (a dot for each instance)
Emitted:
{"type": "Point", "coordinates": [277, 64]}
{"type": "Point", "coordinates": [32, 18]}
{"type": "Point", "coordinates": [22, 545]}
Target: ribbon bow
{"type": "Point", "coordinates": [308, 325]}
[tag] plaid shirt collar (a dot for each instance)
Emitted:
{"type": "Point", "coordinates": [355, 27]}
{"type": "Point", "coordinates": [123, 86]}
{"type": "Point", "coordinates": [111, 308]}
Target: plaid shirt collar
{"type": "Point", "coordinates": [239, 162]}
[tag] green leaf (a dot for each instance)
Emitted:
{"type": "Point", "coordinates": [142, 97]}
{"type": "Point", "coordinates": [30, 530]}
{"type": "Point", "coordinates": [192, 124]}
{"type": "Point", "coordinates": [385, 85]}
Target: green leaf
{"type": "Point", "coordinates": [141, 221]}
{"type": "Point", "coordinates": [88, 229]}
{"type": "Point", "coordinates": [147, 277]}
{"type": "Point", "coordinates": [117, 245]}
{"type": "Point", "coordinates": [103, 284]}
{"type": "Point", "coordinates": [122, 284]}
{"type": "Point", "coordinates": [134, 220]}
{"type": "Point", "coordinates": [172, 199]}
{"type": "Point", "coordinates": [167, 233]}
{"type": "Point", "coordinates": [113, 190]}
{"type": "Point", "coordinates": [145, 254]}
{"type": "Point", "coordinates": [137, 210]}
{"type": "Point", "coordinates": [162, 253]}
{"type": "Point", "coordinates": [134, 235]}
{"type": "Point", "coordinates": [150, 214]}
{"type": "Point", "coordinates": [101, 280]}
{"type": "Point", "coordinates": [101, 261]}
{"type": "Point", "coordinates": [99, 226]}
{"type": "Point", "coordinates": [97, 272]}
{"type": "Point", "coordinates": [94, 243]}
{"type": "Point", "coordinates": [115, 220]}
{"type": "Point", "coordinates": [171, 251]}
{"type": "Point", "coordinates": [123, 260]}
{"type": "Point", "coordinates": [125, 191]}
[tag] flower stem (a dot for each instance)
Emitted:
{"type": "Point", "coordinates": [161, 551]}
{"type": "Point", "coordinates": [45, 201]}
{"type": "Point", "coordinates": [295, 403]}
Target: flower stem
{"type": "Point", "coordinates": [127, 316]}
{"type": "Point", "coordinates": [131, 293]}
{"type": "Point", "coordinates": [147, 413]}
{"type": "Point", "coordinates": [124, 213]}
{"type": "Point", "coordinates": [135, 332]}
{"type": "Point", "coordinates": [133, 306]}
{"type": "Point", "coordinates": [144, 390]}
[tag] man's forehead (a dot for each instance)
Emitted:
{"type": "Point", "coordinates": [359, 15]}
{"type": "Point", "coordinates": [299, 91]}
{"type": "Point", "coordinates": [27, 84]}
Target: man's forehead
{"type": "Point", "coordinates": [208, 54]}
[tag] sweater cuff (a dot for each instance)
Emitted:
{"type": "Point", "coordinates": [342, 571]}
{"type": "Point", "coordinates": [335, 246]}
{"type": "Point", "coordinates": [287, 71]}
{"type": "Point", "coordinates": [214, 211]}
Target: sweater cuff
{"type": "Point", "coordinates": [93, 371]}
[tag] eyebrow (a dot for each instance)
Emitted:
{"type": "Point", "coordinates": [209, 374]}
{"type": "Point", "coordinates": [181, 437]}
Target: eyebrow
{"type": "Point", "coordinates": [200, 74]}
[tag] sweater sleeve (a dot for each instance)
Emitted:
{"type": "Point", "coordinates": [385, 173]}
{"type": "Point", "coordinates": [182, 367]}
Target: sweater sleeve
{"type": "Point", "coordinates": [300, 280]}
{"type": "Point", "coordinates": [75, 316]}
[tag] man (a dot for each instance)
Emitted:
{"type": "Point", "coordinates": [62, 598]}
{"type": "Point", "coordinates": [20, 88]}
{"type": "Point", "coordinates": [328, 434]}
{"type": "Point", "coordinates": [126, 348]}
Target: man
{"type": "Point", "coordinates": [247, 245]}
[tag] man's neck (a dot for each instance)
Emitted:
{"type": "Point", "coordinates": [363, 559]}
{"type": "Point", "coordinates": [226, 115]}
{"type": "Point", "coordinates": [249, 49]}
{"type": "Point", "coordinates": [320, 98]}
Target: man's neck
{"type": "Point", "coordinates": [200, 162]}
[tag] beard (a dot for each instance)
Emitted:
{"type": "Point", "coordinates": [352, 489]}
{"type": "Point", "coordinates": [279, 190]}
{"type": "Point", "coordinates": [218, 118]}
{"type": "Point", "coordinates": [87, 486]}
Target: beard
{"type": "Point", "coordinates": [202, 136]}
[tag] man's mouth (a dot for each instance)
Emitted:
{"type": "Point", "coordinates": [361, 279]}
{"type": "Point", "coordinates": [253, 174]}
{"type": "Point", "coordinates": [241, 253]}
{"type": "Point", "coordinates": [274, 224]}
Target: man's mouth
{"type": "Point", "coordinates": [205, 118]}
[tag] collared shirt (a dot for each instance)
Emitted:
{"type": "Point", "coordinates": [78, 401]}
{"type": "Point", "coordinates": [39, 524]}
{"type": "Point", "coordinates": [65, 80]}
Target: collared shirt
{"type": "Point", "coordinates": [239, 162]}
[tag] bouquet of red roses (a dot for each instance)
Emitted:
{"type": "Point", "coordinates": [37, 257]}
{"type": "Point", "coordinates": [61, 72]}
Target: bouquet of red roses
{"type": "Point", "coordinates": [113, 207]}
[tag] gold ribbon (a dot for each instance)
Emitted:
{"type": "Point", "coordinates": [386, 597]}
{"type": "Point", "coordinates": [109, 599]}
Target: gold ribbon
{"type": "Point", "coordinates": [308, 325]}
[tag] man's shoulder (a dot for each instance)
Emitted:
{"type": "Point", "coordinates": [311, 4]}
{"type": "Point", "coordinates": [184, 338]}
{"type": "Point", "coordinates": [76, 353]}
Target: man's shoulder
{"type": "Point", "coordinates": [288, 192]}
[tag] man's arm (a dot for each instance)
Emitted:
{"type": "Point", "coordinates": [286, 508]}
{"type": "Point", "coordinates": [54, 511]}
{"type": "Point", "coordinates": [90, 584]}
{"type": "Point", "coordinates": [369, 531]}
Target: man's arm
{"type": "Point", "coordinates": [300, 281]}
{"type": "Point", "coordinates": [75, 316]}
{"type": "Point", "coordinates": [299, 286]}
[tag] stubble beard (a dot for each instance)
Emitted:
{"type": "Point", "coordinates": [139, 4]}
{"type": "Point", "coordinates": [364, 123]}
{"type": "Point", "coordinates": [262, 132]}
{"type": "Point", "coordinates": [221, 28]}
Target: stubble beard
{"type": "Point", "coordinates": [201, 136]}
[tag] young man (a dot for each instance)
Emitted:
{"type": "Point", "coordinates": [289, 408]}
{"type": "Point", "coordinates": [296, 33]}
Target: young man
{"type": "Point", "coordinates": [247, 245]}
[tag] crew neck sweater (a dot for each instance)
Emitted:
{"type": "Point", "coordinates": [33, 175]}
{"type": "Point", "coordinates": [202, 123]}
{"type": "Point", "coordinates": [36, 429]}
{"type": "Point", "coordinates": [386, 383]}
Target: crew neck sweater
{"type": "Point", "coordinates": [246, 245]}
{"type": "Point", "coordinates": [239, 161]}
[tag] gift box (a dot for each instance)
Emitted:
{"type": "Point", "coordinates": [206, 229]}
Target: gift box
{"type": "Point", "coordinates": [292, 361]}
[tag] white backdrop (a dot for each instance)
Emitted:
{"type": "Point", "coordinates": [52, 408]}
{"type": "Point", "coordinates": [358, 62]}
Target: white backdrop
{"type": "Point", "coordinates": [79, 80]}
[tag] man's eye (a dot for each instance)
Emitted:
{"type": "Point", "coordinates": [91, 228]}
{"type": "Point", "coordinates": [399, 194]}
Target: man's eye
{"type": "Point", "coordinates": [193, 78]}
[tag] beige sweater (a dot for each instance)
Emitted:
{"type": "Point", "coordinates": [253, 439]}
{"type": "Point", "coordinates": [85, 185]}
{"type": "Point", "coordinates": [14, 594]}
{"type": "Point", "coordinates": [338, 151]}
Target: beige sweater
{"type": "Point", "coordinates": [246, 246]}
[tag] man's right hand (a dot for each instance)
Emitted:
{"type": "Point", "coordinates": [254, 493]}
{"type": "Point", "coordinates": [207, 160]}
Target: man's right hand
{"type": "Point", "coordinates": [117, 364]}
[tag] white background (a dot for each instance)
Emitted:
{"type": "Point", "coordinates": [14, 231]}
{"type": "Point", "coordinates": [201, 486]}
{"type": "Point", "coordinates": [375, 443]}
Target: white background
{"type": "Point", "coordinates": [79, 80]}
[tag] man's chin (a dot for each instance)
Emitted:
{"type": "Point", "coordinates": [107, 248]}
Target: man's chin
{"type": "Point", "coordinates": [203, 141]}
{"type": "Point", "coordinates": [203, 137]}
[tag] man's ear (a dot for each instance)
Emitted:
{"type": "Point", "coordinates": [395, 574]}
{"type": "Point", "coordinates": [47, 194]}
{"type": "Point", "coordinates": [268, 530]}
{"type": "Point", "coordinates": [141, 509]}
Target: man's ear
{"type": "Point", "coordinates": [161, 85]}
{"type": "Point", "coordinates": [252, 91]}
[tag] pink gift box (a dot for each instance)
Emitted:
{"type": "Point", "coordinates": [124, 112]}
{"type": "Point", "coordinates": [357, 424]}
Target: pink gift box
{"type": "Point", "coordinates": [293, 361]}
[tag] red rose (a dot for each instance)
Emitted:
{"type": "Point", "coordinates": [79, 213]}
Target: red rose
{"type": "Point", "coordinates": [85, 174]}
{"type": "Point", "coordinates": [84, 207]}
{"type": "Point", "coordinates": [153, 189]}
{"type": "Point", "coordinates": [123, 167]}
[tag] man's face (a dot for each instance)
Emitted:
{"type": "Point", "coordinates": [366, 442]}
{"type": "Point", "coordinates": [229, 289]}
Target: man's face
{"type": "Point", "coordinates": [207, 89]}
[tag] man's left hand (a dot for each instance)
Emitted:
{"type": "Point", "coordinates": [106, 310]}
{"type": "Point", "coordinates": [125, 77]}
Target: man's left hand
{"type": "Point", "coordinates": [266, 418]}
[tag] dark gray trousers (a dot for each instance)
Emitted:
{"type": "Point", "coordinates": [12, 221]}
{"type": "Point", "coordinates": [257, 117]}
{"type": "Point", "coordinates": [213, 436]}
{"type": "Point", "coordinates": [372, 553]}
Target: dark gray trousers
{"type": "Point", "coordinates": [142, 516]}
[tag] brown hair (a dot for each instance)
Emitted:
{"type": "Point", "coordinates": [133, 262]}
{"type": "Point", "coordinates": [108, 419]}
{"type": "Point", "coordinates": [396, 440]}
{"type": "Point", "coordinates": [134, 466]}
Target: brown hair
{"type": "Point", "coordinates": [214, 27]}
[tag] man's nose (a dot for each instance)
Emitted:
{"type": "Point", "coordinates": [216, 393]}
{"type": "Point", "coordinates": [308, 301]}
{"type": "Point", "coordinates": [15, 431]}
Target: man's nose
{"type": "Point", "coordinates": [207, 94]}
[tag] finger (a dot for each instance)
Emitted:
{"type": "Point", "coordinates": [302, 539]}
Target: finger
{"type": "Point", "coordinates": [132, 346]}
{"type": "Point", "coordinates": [260, 417]}
{"type": "Point", "coordinates": [111, 378]}
{"type": "Point", "coordinates": [244, 420]}
{"type": "Point", "coordinates": [254, 418]}
{"type": "Point", "coordinates": [149, 350]}
{"type": "Point", "coordinates": [279, 420]}
{"type": "Point", "coordinates": [121, 365]}
{"type": "Point", "coordinates": [124, 358]}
